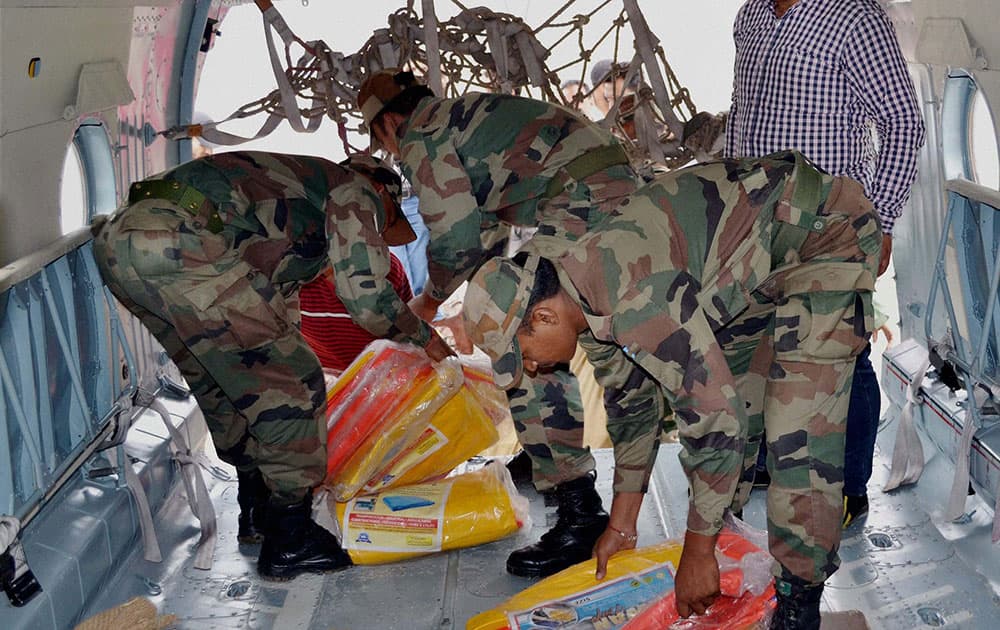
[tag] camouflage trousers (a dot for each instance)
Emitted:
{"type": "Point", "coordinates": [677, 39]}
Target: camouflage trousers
{"type": "Point", "coordinates": [792, 354]}
{"type": "Point", "coordinates": [228, 329]}
{"type": "Point", "coordinates": [548, 417]}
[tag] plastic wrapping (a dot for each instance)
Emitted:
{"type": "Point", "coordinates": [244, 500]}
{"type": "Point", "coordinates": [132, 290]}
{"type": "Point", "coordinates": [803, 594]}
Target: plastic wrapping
{"type": "Point", "coordinates": [395, 418]}
{"type": "Point", "coordinates": [638, 593]}
{"type": "Point", "coordinates": [462, 511]}
{"type": "Point", "coordinates": [745, 581]}
{"type": "Point", "coordinates": [382, 403]}
{"type": "Point", "coordinates": [460, 429]}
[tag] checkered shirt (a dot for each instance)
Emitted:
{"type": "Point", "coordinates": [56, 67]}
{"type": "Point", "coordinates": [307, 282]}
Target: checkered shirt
{"type": "Point", "coordinates": [829, 80]}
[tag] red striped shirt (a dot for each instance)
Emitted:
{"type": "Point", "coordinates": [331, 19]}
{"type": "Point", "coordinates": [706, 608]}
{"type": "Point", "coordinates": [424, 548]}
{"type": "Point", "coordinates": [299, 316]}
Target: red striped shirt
{"type": "Point", "coordinates": [328, 327]}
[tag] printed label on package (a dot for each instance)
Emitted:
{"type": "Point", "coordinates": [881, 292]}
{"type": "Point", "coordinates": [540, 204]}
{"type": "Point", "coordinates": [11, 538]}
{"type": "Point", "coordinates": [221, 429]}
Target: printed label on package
{"type": "Point", "coordinates": [407, 519]}
{"type": "Point", "coordinates": [607, 606]}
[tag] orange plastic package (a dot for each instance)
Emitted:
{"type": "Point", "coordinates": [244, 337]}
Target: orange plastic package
{"type": "Point", "coordinates": [382, 403]}
{"type": "Point", "coordinates": [462, 428]}
{"type": "Point", "coordinates": [638, 593]}
{"type": "Point", "coordinates": [461, 511]}
{"type": "Point", "coordinates": [396, 419]}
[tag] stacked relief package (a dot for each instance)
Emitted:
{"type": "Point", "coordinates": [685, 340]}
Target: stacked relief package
{"type": "Point", "coordinates": [398, 423]}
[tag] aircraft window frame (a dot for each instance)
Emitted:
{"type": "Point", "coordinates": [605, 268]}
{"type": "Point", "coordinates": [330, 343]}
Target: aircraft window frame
{"type": "Point", "coordinates": [93, 145]}
{"type": "Point", "coordinates": [965, 141]}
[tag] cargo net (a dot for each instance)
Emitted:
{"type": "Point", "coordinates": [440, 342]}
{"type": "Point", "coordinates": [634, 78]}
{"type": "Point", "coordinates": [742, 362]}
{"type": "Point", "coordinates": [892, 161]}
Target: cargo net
{"type": "Point", "coordinates": [483, 50]}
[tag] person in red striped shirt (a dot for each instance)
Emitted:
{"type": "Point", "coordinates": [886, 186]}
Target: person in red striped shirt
{"type": "Point", "coordinates": [327, 326]}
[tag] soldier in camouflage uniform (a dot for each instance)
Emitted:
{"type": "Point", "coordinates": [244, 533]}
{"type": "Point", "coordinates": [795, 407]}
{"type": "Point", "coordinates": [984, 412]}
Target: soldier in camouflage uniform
{"type": "Point", "coordinates": [479, 164]}
{"type": "Point", "coordinates": [740, 289]}
{"type": "Point", "coordinates": [210, 256]}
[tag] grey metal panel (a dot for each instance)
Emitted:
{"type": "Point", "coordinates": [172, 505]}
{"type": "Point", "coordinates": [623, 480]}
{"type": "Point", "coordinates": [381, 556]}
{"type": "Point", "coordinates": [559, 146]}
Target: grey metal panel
{"type": "Point", "coordinates": [90, 529]}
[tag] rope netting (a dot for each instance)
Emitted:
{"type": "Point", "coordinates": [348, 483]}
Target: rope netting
{"type": "Point", "coordinates": [483, 50]}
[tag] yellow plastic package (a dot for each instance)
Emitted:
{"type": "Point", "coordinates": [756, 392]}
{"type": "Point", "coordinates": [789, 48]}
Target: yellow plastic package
{"type": "Point", "coordinates": [409, 521]}
{"type": "Point", "coordinates": [381, 405]}
{"type": "Point", "coordinates": [462, 428]}
{"type": "Point", "coordinates": [638, 593]}
{"type": "Point", "coordinates": [396, 418]}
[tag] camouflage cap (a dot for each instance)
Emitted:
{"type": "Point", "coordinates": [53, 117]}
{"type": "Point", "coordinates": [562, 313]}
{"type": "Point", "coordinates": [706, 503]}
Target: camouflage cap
{"type": "Point", "coordinates": [394, 227]}
{"type": "Point", "coordinates": [379, 89]}
{"type": "Point", "coordinates": [494, 307]}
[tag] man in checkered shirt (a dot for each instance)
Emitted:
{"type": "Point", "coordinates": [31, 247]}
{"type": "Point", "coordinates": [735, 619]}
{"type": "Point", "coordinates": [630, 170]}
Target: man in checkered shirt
{"type": "Point", "coordinates": [826, 77]}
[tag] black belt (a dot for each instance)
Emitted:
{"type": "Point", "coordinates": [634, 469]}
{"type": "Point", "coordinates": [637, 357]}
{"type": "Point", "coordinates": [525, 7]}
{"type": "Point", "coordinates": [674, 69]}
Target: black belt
{"type": "Point", "coordinates": [181, 195]}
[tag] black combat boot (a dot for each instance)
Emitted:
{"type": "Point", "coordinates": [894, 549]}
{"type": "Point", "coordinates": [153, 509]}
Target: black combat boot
{"type": "Point", "coordinates": [798, 605]}
{"type": "Point", "coordinates": [582, 520]}
{"type": "Point", "coordinates": [295, 544]}
{"type": "Point", "coordinates": [252, 495]}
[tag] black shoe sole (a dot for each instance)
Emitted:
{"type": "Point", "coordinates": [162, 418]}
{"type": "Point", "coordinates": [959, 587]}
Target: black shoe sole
{"type": "Point", "coordinates": [533, 572]}
{"type": "Point", "coordinates": [528, 572]}
{"type": "Point", "coordinates": [290, 573]}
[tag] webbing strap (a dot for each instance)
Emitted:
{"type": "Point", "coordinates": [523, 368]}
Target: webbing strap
{"type": "Point", "coordinates": [908, 453]}
{"type": "Point", "coordinates": [960, 483]}
{"type": "Point", "coordinates": [587, 164]}
{"type": "Point", "coordinates": [273, 19]}
{"type": "Point", "coordinates": [194, 485]}
{"type": "Point", "coordinates": [150, 545]}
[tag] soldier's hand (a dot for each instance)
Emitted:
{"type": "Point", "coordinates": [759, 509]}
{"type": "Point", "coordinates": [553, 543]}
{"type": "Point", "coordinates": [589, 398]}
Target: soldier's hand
{"type": "Point", "coordinates": [437, 348]}
{"type": "Point", "coordinates": [457, 328]}
{"type": "Point", "coordinates": [610, 543]}
{"type": "Point", "coordinates": [425, 307]}
{"type": "Point", "coordinates": [696, 584]}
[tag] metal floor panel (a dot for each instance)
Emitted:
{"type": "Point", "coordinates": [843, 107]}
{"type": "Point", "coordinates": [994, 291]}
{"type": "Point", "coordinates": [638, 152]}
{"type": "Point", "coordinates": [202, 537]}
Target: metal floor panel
{"type": "Point", "coordinates": [922, 578]}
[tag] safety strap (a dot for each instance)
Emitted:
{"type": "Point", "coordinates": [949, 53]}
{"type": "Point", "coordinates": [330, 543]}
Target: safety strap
{"type": "Point", "coordinates": [10, 526]}
{"type": "Point", "coordinates": [908, 452]}
{"type": "Point", "coordinates": [150, 545]}
{"type": "Point", "coordinates": [960, 483]}
{"type": "Point", "coordinates": [194, 485]}
{"type": "Point", "coordinates": [587, 164]}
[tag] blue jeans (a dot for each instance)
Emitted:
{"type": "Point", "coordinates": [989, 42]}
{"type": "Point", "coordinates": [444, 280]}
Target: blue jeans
{"type": "Point", "coordinates": [862, 428]}
{"type": "Point", "coordinates": [414, 255]}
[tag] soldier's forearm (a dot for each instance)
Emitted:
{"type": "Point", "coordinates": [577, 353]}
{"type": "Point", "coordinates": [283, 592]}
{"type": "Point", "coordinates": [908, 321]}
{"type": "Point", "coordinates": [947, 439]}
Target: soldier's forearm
{"type": "Point", "coordinates": [625, 512]}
